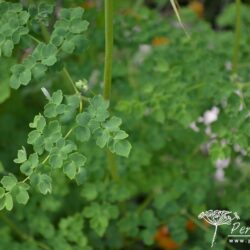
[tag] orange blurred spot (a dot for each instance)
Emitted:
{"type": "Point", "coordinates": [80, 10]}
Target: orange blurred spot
{"type": "Point", "coordinates": [162, 232]}
{"type": "Point", "coordinates": [168, 244]}
{"type": "Point", "coordinates": [158, 41]}
{"type": "Point", "coordinates": [190, 226]}
{"type": "Point", "coordinates": [88, 5]}
{"type": "Point", "coordinates": [164, 239]}
{"type": "Point", "coordinates": [197, 7]}
{"type": "Point", "coordinates": [132, 13]}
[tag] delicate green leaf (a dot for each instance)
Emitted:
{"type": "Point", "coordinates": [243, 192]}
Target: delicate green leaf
{"type": "Point", "coordinates": [78, 159]}
{"type": "Point", "coordinates": [57, 39]}
{"type": "Point", "coordinates": [82, 119]}
{"type": "Point", "coordinates": [98, 108]}
{"type": "Point", "coordinates": [20, 76]}
{"type": "Point", "coordinates": [48, 50]}
{"type": "Point", "coordinates": [50, 60]}
{"type": "Point", "coordinates": [9, 182]}
{"type": "Point", "coordinates": [8, 202]}
{"type": "Point", "coordinates": [76, 12]}
{"type": "Point", "coordinates": [77, 26]}
{"type": "Point", "coordinates": [21, 156]}
{"type": "Point", "coordinates": [103, 139]}
{"type": "Point", "coordinates": [39, 123]}
{"type": "Point", "coordinates": [23, 17]}
{"type": "Point", "coordinates": [56, 161]}
{"type": "Point", "coordinates": [44, 184]}
{"type": "Point", "coordinates": [50, 110]}
{"type": "Point", "coordinates": [33, 136]}
{"type": "Point", "coordinates": [82, 133]}
{"type": "Point", "coordinates": [70, 170]}
{"type": "Point", "coordinates": [38, 70]}
{"type": "Point", "coordinates": [68, 46]}
{"type": "Point", "coordinates": [22, 196]}
{"type": "Point", "coordinates": [25, 77]}
{"type": "Point", "coordinates": [120, 135]}
{"type": "Point", "coordinates": [28, 166]}
{"type": "Point", "coordinates": [7, 48]}
{"type": "Point", "coordinates": [65, 14]}
{"type": "Point", "coordinates": [113, 123]}
{"type": "Point", "coordinates": [122, 148]}
{"type": "Point", "coordinates": [57, 97]}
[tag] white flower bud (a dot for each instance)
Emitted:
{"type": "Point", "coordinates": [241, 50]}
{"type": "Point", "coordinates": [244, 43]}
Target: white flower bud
{"type": "Point", "coordinates": [82, 85]}
{"type": "Point", "coordinates": [46, 93]}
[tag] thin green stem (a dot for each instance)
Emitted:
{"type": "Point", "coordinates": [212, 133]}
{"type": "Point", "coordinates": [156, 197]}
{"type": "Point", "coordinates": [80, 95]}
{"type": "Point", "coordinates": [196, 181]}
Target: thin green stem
{"type": "Point", "coordinates": [34, 38]}
{"type": "Point", "coordinates": [26, 179]}
{"type": "Point", "coordinates": [109, 40]}
{"type": "Point", "coordinates": [45, 160]}
{"type": "Point", "coordinates": [108, 48]}
{"type": "Point", "coordinates": [175, 6]}
{"type": "Point", "coordinates": [69, 132]}
{"type": "Point", "coordinates": [112, 165]}
{"type": "Point", "coordinates": [237, 37]}
{"type": "Point", "coordinates": [66, 73]}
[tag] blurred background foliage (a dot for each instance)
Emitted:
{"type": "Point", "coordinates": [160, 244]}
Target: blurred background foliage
{"type": "Point", "coordinates": [163, 82]}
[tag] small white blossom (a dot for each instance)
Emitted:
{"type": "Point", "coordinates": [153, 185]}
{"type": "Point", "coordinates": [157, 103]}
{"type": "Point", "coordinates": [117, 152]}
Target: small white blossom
{"type": "Point", "coordinates": [211, 116]}
{"type": "Point", "coordinates": [194, 127]}
{"type": "Point", "coordinates": [219, 175]}
{"type": "Point", "coordinates": [143, 52]}
{"type": "Point", "coordinates": [228, 66]}
{"type": "Point", "coordinates": [222, 163]}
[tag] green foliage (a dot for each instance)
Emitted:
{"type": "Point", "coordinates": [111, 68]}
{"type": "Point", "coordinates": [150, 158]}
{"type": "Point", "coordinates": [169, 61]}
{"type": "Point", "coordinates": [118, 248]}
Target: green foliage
{"type": "Point", "coordinates": [65, 39]}
{"type": "Point", "coordinates": [55, 148]}
{"type": "Point", "coordinates": [110, 174]}
{"type": "Point", "coordinates": [13, 23]}
{"type": "Point", "coordinates": [71, 229]}
{"type": "Point", "coordinates": [9, 182]}
{"type": "Point", "coordinates": [227, 18]}
{"type": "Point", "coordinates": [100, 215]}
